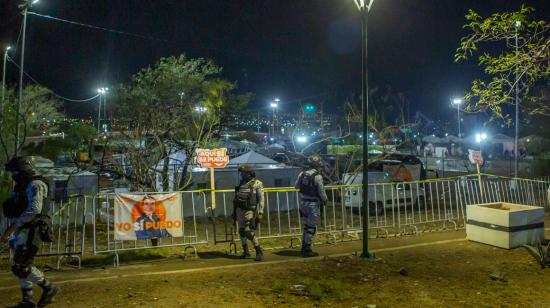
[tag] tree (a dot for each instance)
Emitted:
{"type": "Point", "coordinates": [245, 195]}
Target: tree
{"type": "Point", "coordinates": [38, 112]}
{"type": "Point", "coordinates": [77, 137]}
{"type": "Point", "coordinates": [179, 104]}
{"type": "Point", "coordinates": [493, 38]}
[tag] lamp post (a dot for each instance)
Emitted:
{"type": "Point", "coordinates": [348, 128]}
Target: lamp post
{"type": "Point", "coordinates": [364, 10]}
{"type": "Point", "coordinates": [4, 78]}
{"type": "Point", "coordinates": [480, 139]}
{"type": "Point", "coordinates": [517, 25]}
{"type": "Point", "coordinates": [274, 105]}
{"type": "Point", "coordinates": [457, 102]}
{"type": "Point", "coordinates": [101, 92]}
{"type": "Point", "coordinates": [25, 7]}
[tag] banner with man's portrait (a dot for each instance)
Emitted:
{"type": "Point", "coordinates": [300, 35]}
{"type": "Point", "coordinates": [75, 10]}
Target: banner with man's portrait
{"type": "Point", "coordinates": [143, 217]}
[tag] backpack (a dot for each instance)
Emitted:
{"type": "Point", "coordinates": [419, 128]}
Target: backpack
{"type": "Point", "coordinates": [14, 206]}
{"type": "Point", "coordinates": [307, 183]}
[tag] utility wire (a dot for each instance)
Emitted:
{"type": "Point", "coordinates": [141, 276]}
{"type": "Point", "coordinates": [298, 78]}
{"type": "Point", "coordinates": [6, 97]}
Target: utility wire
{"type": "Point", "coordinates": [55, 94]}
{"type": "Point", "coordinates": [96, 27]}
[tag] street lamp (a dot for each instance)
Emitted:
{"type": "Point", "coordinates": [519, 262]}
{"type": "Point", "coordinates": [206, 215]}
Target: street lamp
{"type": "Point", "coordinates": [201, 109]}
{"type": "Point", "coordinates": [25, 7]}
{"type": "Point", "coordinates": [4, 76]}
{"type": "Point", "coordinates": [101, 92]}
{"type": "Point", "coordinates": [481, 137]}
{"type": "Point", "coordinates": [274, 105]}
{"type": "Point", "coordinates": [364, 9]}
{"type": "Point", "coordinates": [457, 102]}
{"type": "Point", "coordinates": [517, 25]}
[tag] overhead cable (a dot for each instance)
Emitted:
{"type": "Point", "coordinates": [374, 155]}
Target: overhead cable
{"type": "Point", "coordinates": [55, 94]}
{"type": "Point", "coordinates": [96, 27]}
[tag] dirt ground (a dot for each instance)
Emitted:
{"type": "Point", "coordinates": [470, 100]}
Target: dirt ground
{"type": "Point", "coordinates": [436, 270]}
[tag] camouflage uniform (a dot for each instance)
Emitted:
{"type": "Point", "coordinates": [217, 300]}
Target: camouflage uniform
{"type": "Point", "coordinates": [246, 211]}
{"type": "Point", "coordinates": [30, 194]}
{"type": "Point", "coordinates": [310, 207]}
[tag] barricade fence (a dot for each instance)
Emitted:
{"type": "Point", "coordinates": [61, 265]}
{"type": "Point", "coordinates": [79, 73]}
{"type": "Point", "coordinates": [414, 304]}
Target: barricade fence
{"type": "Point", "coordinates": [85, 225]}
{"type": "Point", "coordinates": [69, 222]}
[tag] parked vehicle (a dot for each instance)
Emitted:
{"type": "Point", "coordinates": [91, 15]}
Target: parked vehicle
{"type": "Point", "coordinates": [385, 192]}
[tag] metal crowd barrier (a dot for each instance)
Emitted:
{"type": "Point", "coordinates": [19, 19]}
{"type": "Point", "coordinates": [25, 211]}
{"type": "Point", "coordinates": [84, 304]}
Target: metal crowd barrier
{"type": "Point", "coordinates": [194, 226]}
{"type": "Point", "coordinates": [85, 225]}
{"type": "Point", "coordinates": [68, 228]}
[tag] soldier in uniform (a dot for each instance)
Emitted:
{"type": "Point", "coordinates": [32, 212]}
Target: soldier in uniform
{"type": "Point", "coordinates": [249, 209]}
{"type": "Point", "coordinates": [25, 208]}
{"type": "Point", "coordinates": [312, 197]}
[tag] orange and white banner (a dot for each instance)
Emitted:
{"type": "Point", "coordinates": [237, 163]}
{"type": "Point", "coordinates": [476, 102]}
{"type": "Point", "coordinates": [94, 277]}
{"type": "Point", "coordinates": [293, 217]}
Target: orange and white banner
{"type": "Point", "coordinates": [142, 217]}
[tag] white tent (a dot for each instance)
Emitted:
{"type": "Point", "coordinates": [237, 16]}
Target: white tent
{"type": "Point", "coordinates": [254, 159]}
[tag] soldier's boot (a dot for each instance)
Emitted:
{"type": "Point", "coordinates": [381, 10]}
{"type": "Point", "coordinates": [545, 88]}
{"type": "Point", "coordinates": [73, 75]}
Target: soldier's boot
{"type": "Point", "coordinates": [26, 300]}
{"type": "Point", "coordinates": [259, 253]}
{"type": "Point", "coordinates": [307, 252]}
{"type": "Point", "coordinates": [246, 253]}
{"type": "Point", "coordinates": [49, 291]}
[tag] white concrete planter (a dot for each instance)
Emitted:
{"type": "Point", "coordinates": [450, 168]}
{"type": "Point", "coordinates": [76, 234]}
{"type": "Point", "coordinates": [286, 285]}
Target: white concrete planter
{"type": "Point", "coordinates": [505, 225]}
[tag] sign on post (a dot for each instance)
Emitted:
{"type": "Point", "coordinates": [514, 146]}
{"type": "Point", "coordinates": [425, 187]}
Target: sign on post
{"type": "Point", "coordinates": [476, 158]}
{"type": "Point", "coordinates": [215, 158]}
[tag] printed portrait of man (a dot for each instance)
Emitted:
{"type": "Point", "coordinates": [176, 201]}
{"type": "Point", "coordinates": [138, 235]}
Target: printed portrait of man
{"type": "Point", "coordinates": [149, 222]}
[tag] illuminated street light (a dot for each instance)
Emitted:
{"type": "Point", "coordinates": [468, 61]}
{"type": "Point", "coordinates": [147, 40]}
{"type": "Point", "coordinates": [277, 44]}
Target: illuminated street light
{"type": "Point", "coordinates": [517, 25]}
{"type": "Point", "coordinates": [364, 8]}
{"type": "Point", "coordinates": [102, 98]}
{"type": "Point", "coordinates": [457, 102]}
{"type": "Point", "coordinates": [4, 77]}
{"type": "Point", "coordinates": [274, 105]}
{"type": "Point", "coordinates": [25, 8]}
{"type": "Point", "coordinates": [481, 137]}
{"type": "Point", "coordinates": [201, 109]}
{"type": "Point", "coordinates": [301, 139]}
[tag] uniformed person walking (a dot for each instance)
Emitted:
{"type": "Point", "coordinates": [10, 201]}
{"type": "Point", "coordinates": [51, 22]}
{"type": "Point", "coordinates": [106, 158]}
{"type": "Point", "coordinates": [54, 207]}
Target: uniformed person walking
{"type": "Point", "coordinates": [312, 197]}
{"type": "Point", "coordinates": [249, 209]}
{"type": "Point", "coordinates": [25, 208]}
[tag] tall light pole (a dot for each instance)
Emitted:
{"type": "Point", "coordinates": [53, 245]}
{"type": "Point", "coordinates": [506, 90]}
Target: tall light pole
{"type": "Point", "coordinates": [274, 105]}
{"type": "Point", "coordinates": [364, 9]}
{"type": "Point", "coordinates": [105, 121]}
{"type": "Point", "coordinates": [101, 92]}
{"type": "Point", "coordinates": [25, 6]}
{"type": "Point", "coordinates": [457, 102]}
{"type": "Point", "coordinates": [517, 25]}
{"type": "Point", "coordinates": [4, 78]}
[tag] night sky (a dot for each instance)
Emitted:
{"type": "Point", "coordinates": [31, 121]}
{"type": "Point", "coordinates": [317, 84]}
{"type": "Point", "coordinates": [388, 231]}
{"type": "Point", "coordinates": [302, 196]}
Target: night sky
{"type": "Point", "coordinates": [286, 48]}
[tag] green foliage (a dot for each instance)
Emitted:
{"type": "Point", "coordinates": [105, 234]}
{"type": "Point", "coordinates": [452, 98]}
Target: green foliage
{"type": "Point", "coordinates": [493, 38]}
{"type": "Point", "coordinates": [178, 104]}
{"type": "Point", "coordinates": [37, 108]}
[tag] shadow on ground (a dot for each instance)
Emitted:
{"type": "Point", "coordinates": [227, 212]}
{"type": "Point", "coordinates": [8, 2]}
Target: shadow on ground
{"type": "Point", "coordinates": [288, 253]}
{"type": "Point", "coordinates": [217, 255]}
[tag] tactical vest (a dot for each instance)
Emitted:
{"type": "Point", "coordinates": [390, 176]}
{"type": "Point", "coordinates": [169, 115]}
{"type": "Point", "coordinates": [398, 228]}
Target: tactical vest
{"type": "Point", "coordinates": [245, 196]}
{"type": "Point", "coordinates": [307, 184]}
{"type": "Point", "coordinates": [16, 205]}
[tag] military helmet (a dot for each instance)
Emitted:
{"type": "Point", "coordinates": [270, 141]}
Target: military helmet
{"type": "Point", "coordinates": [315, 161]}
{"type": "Point", "coordinates": [247, 169]}
{"type": "Point", "coordinates": [23, 164]}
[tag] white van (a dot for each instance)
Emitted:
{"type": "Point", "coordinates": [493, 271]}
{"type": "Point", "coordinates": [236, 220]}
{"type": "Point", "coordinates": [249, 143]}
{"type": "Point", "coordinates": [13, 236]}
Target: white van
{"type": "Point", "coordinates": [385, 192]}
